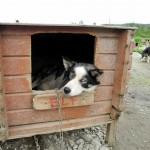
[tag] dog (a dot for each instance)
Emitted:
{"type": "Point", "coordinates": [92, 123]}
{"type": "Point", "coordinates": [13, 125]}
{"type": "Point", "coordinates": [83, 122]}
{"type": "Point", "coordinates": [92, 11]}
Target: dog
{"type": "Point", "coordinates": [72, 78]}
{"type": "Point", "coordinates": [146, 55]}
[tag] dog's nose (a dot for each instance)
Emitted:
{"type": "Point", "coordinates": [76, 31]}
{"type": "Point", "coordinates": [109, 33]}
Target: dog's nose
{"type": "Point", "coordinates": [67, 90]}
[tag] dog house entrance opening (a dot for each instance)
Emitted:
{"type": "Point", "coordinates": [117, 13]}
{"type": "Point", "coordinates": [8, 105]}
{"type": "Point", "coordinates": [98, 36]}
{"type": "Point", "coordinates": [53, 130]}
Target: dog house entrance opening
{"type": "Point", "coordinates": [48, 50]}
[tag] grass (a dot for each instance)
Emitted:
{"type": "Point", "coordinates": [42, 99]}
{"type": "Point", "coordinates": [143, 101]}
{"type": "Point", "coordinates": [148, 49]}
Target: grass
{"type": "Point", "coordinates": [142, 32]}
{"type": "Point", "coordinates": [139, 49]}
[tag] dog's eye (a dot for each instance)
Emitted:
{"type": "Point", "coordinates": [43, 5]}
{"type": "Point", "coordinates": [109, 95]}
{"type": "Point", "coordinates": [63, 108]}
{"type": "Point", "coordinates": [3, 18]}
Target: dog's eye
{"type": "Point", "coordinates": [84, 80]}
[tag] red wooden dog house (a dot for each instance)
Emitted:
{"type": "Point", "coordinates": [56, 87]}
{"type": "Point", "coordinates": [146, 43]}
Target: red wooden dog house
{"type": "Point", "coordinates": [19, 117]}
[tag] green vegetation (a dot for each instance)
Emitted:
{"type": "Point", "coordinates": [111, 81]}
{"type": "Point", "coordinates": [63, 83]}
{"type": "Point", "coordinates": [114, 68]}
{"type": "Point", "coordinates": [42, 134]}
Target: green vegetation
{"type": "Point", "coordinates": [142, 34]}
{"type": "Point", "coordinates": [143, 30]}
{"type": "Point", "coordinates": [139, 49]}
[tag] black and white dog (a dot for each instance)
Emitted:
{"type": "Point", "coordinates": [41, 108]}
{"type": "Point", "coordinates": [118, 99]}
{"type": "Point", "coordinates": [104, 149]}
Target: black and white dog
{"type": "Point", "coordinates": [73, 78]}
{"type": "Point", "coordinates": [146, 55]}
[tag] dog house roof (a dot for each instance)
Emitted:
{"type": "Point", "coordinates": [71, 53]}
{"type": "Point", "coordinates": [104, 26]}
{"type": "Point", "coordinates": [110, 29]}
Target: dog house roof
{"type": "Point", "coordinates": [71, 25]}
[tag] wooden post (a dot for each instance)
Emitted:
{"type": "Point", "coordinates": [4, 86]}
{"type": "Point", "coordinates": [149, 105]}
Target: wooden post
{"type": "Point", "coordinates": [120, 80]}
{"type": "Point", "coordinates": [121, 77]}
{"type": "Point", "coordinates": [111, 133]}
{"type": "Point", "coordinates": [3, 117]}
{"type": "Point", "coordinates": [121, 70]}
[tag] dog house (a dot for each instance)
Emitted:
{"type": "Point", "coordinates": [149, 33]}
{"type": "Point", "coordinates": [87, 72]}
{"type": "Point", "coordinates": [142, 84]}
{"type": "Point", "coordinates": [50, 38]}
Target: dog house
{"type": "Point", "coordinates": [24, 48]}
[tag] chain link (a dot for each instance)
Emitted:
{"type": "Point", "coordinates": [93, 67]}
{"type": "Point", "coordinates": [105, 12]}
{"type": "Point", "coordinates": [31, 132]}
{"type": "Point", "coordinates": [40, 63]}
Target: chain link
{"type": "Point", "coordinates": [37, 143]}
{"type": "Point", "coordinates": [59, 100]}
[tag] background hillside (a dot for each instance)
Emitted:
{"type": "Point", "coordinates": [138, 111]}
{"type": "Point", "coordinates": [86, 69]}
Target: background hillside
{"type": "Point", "coordinates": [142, 35]}
{"type": "Point", "coordinates": [143, 30]}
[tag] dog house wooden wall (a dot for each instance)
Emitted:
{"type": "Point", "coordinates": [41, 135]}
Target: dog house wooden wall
{"type": "Point", "coordinates": [19, 119]}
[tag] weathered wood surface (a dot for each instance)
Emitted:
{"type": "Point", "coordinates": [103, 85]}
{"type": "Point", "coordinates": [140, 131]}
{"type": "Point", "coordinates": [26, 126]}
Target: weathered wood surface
{"type": "Point", "coordinates": [111, 133]}
{"type": "Point", "coordinates": [17, 84]}
{"type": "Point", "coordinates": [107, 45]}
{"type": "Point", "coordinates": [51, 127]}
{"type": "Point", "coordinates": [3, 117]}
{"type": "Point", "coordinates": [122, 66]}
{"type": "Point", "coordinates": [16, 45]}
{"type": "Point", "coordinates": [104, 61]}
{"type": "Point", "coordinates": [115, 114]}
{"type": "Point", "coordinates": [56, 99]}
{"type": "Point", "coordinates": [29, 30]}
{"type": "Point", "coordinates": [29, 116]}
{"type": "Point", "coordinates": [16, 65]}
{"type": "Point", "coordinates": [18, 101]}
{"type": "Point", "coordinates": [103, 93]}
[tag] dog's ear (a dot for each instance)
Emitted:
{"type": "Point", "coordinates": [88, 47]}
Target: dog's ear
{"type": "Point", "coordinates": [67, 63]}
{"type": "Point", "coordinates": [96, 72]}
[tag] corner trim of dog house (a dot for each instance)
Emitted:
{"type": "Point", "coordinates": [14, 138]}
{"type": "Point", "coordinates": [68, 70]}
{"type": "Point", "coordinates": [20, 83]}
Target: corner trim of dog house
{"type": "Point", "coordinates": [122, 69]}
{"type": "Point", "coordinates": [3, 116]}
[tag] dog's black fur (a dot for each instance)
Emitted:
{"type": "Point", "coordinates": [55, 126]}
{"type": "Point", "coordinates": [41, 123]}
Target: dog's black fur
{"type": "Point", "coordinates": [146, 52]}
{"type": "Point", "coordinates": [146, 55]}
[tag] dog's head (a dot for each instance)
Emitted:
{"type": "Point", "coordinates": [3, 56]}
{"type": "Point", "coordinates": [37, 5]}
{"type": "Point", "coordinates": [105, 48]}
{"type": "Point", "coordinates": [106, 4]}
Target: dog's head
{"type": "Point", "coordinates": [82, 77]}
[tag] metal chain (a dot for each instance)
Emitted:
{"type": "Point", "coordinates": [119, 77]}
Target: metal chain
{"type": "Point", "coordinates": [36, 143]}
{"type": "Point", "coordinates": [59, 100]}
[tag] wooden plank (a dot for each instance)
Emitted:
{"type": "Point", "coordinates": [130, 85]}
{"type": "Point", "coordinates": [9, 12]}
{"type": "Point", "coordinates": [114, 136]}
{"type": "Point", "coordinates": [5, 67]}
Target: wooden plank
{"type": "Point", "coordinates": [18, 101]}
{"type": "Point", "coordinates": [55, 99]}
{"type": "Point", "coordinates": [111, 133]}
{"type": "Point", "coordinates": [115, 114]}
{"type": "Point", "coordinates": [105, 61]}
{"type": "Point", "coordinates": [3, 116]}
{"type": "Point", "coordinates": [107, 78]}
{"type": "Point", "coordinates": [121, 70]}
{"type": "Point", "coordinates": [108, 34]}
{"type": "Point", "coordinates": [3, 119]}
{"type": "Point", "coordinates": [16, 84]}
{"type": "Point", "coordinates": [14, 45]}
{"type": "Point", "coordinates": [51, 127]}
{"type": "Point", "coordinates": [33, 29]}
{"type": "Point", "coordinates": [103, 93]}
{"type": "Point", "coordinates": [27, 116]}
{"type": "Point", "coordinates": [106, 45]}
{"type": "Point", "coordinates": [16, 65]}
{"type": "Point", "coordinates": [24, 100]}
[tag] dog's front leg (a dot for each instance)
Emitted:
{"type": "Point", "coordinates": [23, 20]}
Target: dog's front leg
{"type": "Point", "coordinates": [148, 59]}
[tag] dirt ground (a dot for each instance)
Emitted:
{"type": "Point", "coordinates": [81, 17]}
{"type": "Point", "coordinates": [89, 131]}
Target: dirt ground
{"type": "Point", "coordinates": [134, 123]}
{"type": "Point", "coordinates": [133, 132]}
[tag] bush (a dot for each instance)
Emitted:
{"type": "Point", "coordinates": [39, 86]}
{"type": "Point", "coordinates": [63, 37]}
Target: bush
{"type": "Point", "coordinates": [138, 39]}
{"type": "Point", "coordinates": [139, 49]}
